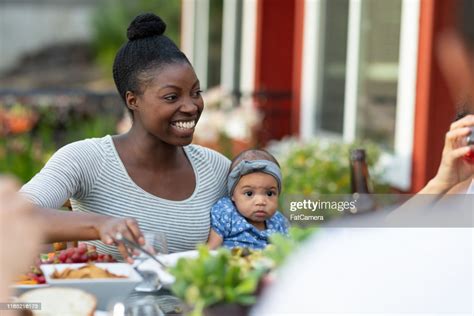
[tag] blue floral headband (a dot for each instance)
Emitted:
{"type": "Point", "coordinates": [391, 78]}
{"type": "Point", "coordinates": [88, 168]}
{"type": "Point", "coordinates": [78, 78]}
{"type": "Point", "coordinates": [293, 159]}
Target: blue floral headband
{"type": "Point", "coordinates": [250, 166]}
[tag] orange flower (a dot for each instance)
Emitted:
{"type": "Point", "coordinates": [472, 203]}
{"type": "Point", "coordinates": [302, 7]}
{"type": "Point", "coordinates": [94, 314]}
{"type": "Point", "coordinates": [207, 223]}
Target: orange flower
{"type": "Point", "coordinates": [18, 122]}
{"type": "Point", "coordinates": [18, 125]}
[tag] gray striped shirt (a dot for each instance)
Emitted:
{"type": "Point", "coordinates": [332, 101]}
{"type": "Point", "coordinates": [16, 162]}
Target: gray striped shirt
{"type": "Point", "coordinates": [91, 174]}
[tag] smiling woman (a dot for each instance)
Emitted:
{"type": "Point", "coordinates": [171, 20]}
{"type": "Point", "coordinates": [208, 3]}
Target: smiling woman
{"type": "Point", "coordinates": [149, 179]}
{"type": "Point", "coordinates": [170, 105]}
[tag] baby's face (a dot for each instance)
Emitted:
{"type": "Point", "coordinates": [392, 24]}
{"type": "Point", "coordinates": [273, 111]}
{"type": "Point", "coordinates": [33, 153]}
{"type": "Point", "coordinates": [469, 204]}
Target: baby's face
{"type": "Point", "coordinates": [256, 196]}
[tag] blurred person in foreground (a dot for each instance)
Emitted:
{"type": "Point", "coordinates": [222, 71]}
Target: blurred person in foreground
{"type": "Point", "coordinates": [456, 59]}
{"type": "Point", "coordinates": [418, 270]}
{"type": "Point", "coordinates": [20, 235]}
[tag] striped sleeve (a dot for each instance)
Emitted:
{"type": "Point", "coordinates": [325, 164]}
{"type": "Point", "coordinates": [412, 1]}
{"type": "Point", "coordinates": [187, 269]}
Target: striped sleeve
{"type": "Point", "coordinates": [70, 172]}
{"type": "Point", "coordinates": [220, 167]}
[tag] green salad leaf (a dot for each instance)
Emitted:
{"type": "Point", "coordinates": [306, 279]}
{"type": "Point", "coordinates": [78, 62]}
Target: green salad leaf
{"type": "Point", "coordinates": [231, 276]}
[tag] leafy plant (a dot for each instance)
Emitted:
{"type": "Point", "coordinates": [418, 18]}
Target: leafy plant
{"type": "Point", "coordinates": [322, 167]}
{"type": "Point", "coordinates": [214, 278]}
{"type": "Point", "coordinates": [31, 133]}
{"type": "Point", "coordinates": [281, 246]}
{"type": "Point", "coordinates": [231, 276]}
{"type": "Point", "coordinates": [21, 156]}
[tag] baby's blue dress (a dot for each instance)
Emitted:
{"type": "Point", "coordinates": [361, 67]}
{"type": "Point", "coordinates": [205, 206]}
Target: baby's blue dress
{"type": "Point", "coordinates": [237, 232]}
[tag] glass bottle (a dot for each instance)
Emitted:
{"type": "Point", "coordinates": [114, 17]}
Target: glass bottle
{"type": "Point", "coordinates": [360, 182]}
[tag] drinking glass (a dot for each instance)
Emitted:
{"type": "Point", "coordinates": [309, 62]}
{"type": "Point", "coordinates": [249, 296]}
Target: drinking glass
{"type": "Point", "coordinates": [156, 242]}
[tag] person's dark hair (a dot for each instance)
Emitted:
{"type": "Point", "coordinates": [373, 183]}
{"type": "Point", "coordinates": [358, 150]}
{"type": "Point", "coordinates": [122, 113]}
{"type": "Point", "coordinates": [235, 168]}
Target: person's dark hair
{"type": "Point", "coordinates": [147, 49]}
{"type": "Point", "coordinates": [465, 25]}
{"type": "Point", "coordinates": [462, 110]}
{"type": "Point", "coordinates": [252, 154]}
{"type": "Point", "coordinates": [466, 21]}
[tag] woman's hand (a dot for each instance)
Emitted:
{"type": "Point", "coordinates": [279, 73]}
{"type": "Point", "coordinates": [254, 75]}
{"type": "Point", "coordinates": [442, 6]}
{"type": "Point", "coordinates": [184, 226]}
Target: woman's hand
{"type": "Point", "coordinates": [128, 227]}
{"type": "Point", "coordinates": [453, 168]}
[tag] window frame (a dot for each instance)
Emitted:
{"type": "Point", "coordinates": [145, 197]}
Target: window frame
{"type": "Point", "coordinates": [398, 165]}
{"type": "Point", "coordinates": [195, 36]}
{"type": "Point", "coordinates": [195, 42]}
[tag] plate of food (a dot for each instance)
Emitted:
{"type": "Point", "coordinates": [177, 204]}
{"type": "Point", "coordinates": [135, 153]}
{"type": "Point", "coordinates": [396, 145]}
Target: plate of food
{"type": "Point", "coordinates": [170, 260]}
{"type": "Point", "coordinates": [106, 281]}
{"type": "Point", "coordinates": [34, 278]}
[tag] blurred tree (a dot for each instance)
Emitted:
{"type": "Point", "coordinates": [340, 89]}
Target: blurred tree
{"type": "Point", "coordinates": [112, 17]}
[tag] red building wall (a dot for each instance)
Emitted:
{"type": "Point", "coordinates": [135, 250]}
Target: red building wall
{"type": "Point", "coordinates": [274, 66]}
{"type": "Point", "coordinates": [434, 106]}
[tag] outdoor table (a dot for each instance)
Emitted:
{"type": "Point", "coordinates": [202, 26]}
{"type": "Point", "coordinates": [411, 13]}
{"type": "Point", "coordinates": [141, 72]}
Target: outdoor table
{"type": "Point", "coordinates": [171, 305]}
{"type": "Point", "coordinates": [164, 298]}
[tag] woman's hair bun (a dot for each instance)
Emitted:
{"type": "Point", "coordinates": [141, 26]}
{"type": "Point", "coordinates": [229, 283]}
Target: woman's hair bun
{"type": "Point", "coordinates": [145, 25]}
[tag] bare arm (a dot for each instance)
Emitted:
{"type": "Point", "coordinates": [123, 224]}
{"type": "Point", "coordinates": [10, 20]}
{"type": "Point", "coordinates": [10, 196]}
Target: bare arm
{"type": "Point", "coordinates": [454, 174]}
{"type": "Point", "coordinates": [453, 170]}
{"type": "Point", "coordinates": [69, 226]}
{"type": "Point", "coordinates": [215, 240]}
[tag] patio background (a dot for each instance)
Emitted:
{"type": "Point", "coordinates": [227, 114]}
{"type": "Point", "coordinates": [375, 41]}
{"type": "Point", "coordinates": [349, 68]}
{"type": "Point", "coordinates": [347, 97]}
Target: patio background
{"type": "Point", "coordinates": [336, 71]}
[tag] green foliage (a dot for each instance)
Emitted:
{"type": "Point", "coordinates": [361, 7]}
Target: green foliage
{"type": "Point", "coordinates": [25, 152]}
{"type": "Point", "coordinates": [318, 167]}
{"type": "Point", "coordinates": [214, 278]}
{"type": "Point", "coordinates": [281, 247]}
{"type": "Point", "coordinates": [100, 126]}
{"type": "Point", "coordinates": [112, 18]}
{"type": "Point", "coordinates": [231, 276]}
{"type": "Point", "coordinates": [21, 156]}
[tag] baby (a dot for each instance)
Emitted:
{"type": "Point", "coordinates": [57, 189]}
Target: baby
{"type": "Point", "coordinates": [248, 215]}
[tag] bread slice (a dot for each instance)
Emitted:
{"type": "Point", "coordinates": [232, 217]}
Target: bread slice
{"type": "Point", "coordinates": [61, 301]}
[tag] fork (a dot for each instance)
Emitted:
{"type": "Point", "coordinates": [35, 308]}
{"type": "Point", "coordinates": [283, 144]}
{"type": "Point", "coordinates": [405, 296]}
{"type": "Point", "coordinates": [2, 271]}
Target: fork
{"type": "Point", "coordinates": [120, 238]}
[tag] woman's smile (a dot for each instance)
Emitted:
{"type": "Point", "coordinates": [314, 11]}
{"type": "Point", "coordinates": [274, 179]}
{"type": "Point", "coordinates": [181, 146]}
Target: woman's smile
{"type": "Point", "coordinates": [183, 128]}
